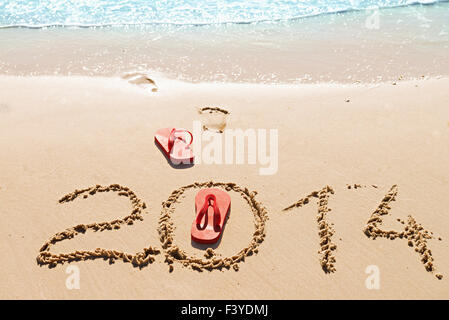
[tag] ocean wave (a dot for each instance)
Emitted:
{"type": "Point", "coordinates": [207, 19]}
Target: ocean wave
{"type": "Point", "coordinates": [101, 13]}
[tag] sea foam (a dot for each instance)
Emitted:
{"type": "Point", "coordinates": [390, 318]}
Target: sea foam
{"type": "Point", "coordinates": [89, 13]}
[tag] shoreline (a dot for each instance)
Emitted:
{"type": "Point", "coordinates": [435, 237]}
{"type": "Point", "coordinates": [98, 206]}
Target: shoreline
{"type": "Point", "coordinates": [372, 46]}
{"type": "Point", "coordinates": [143, 83]}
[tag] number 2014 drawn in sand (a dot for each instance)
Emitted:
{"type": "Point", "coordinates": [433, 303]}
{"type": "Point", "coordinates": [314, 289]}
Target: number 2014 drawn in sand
{"type": "Point", "coordinates": [413, 232]}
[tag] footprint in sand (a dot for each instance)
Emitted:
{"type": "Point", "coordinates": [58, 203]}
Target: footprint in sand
{"type": "Point", "coordinates": [213, 118]}
{"type": "Point", "coordinates": [4, 108]}
{"type": "Point", "coordinates": [141, 80]}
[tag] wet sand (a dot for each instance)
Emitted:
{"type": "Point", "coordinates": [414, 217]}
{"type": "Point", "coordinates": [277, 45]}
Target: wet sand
{"type": "Point", "coordinates": [367, 46]}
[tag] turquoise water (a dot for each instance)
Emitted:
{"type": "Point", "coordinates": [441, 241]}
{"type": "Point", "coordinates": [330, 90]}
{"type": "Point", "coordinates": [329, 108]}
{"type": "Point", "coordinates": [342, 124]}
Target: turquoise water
{"type": "Point", "coordinates": [40, 13]}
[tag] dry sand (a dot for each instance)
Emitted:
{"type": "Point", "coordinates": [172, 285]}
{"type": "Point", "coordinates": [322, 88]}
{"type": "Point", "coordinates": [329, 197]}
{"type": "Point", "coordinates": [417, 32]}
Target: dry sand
{"type": "Point", "coordinates": [362, 180]}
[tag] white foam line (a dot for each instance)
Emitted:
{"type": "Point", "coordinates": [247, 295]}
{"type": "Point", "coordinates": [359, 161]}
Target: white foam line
{"type": "Point", "coordinates": [168, 23]}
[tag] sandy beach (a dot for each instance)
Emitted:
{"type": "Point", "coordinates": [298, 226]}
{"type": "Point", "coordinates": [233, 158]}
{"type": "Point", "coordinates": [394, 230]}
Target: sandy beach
{"type": "Point", "coordinates": [374, 157]}
{"type": "Point", "coordinates": [326, 124]}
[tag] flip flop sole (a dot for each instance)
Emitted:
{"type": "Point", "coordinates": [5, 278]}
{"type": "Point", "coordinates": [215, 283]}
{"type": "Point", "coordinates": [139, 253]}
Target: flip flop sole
{"type": "Point", "coordinates": [206, 232]}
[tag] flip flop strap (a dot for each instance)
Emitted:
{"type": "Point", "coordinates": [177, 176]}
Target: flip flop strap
{"type": "Point", "coordinates": [205, 208]}
{"type": "Point", "coordinates": [171, 138]}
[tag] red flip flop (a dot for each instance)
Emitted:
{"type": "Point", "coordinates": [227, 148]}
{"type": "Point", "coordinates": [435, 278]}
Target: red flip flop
{"type": "Point", "coordinates": [212, 208]}
{"type": "Point", "coordinates": [175, 145]}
